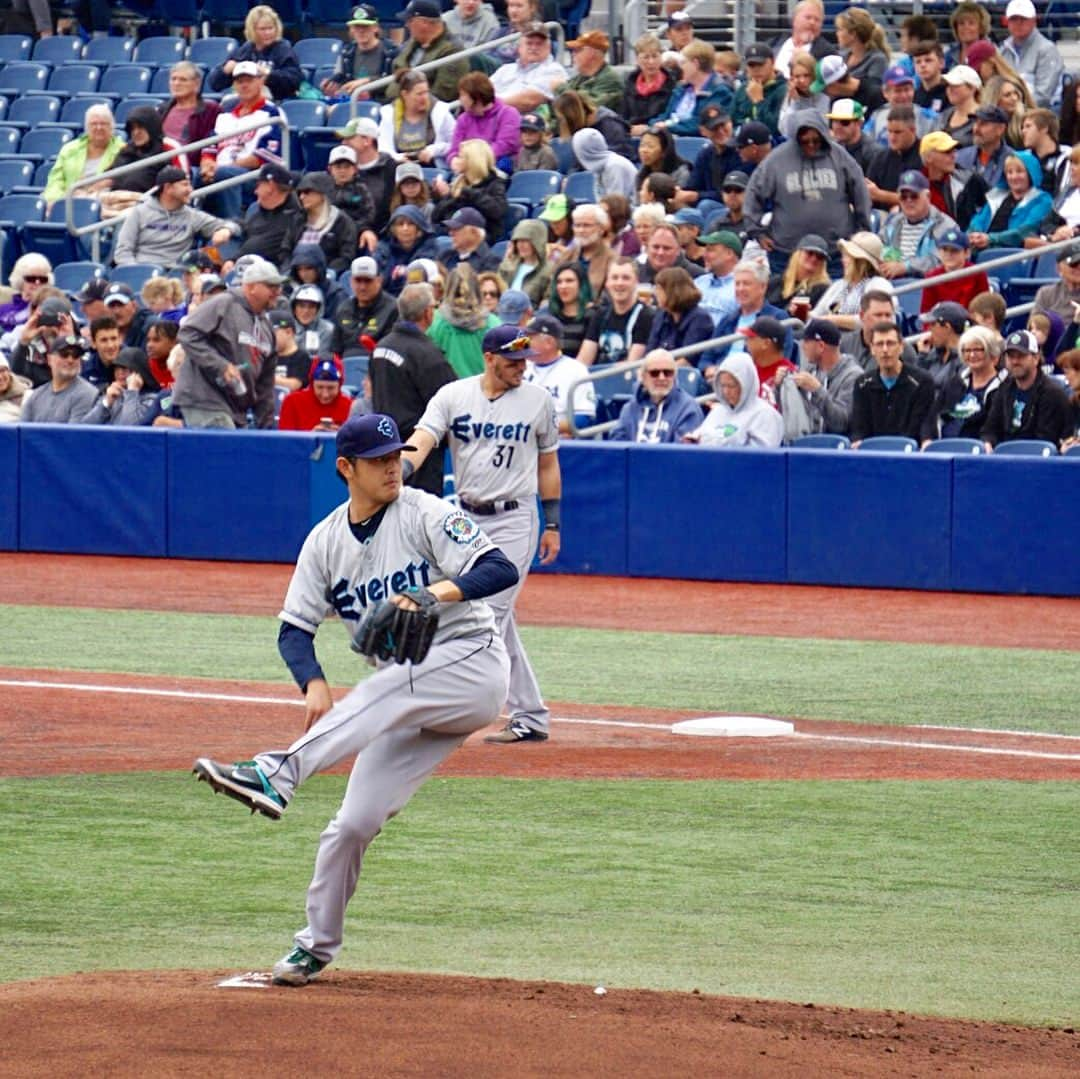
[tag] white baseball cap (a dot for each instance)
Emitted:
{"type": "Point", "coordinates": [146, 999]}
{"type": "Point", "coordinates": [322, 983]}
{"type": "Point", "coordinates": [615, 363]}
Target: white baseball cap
{"type": "Point", "coordinates": [343, 153]}
{"type": "Point", "coordinates": [246, 67]}
{"type": "Point", "coordinates": [364, 266]}
{"type": "Point", "coordinates": [1020, 9]}
{"type": "Point", "coordinates": [962, 73]}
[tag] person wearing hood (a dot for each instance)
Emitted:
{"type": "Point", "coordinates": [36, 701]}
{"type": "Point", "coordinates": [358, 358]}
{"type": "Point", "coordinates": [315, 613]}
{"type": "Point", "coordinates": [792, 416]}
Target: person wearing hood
{"type": "Point", "coordinates": [810, 185]}
{"type": "Point", "coordinates": [128, 399]}
{"type": "Point", "coordinates": [408, 236]}
{"type": "Point", "coordinates": [145, 139]}
{"type": "Point", "coordinates": [660, 410]}
{"type": "Point", "coordinates": [14, 390]}
{"type": "Point", "coordinates": [614, 174]}
{"type": "Point", "coordinates": [322, 405]}
{"type": "Point", "coordinates": [323, 223]}
{"type": "Point", "coordinates": [314, 333]}
{"type": "Point", "coordinates": [161, 228]}
{"type": "Point", "coordinates": [739, 417]}
{"type": "Point", "coordinates": [308, 267]}
{"type": "Point", "coordinates": [525, 265]}
{"type": "Point", "coordinates": [1015, 208]}
{"type": "Point", "coordinates": [460, 323]}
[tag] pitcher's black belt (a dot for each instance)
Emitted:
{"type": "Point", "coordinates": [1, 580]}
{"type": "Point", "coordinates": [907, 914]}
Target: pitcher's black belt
{"type": "Point", "coordinates": [488, 509]}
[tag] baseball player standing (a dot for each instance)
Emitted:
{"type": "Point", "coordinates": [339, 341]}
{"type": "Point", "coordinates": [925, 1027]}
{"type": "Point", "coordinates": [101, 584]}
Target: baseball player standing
{"type": "Point", "coordinates": [504, 439]}
{"type": "Point", "coordinates": [387, 551]}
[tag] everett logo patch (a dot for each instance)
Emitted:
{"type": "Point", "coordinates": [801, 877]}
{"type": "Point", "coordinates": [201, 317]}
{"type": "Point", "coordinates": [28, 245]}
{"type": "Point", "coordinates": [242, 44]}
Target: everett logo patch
{"type": "Point", "coordinates": [386, 428]}
{"type": "Point", "coordinates": [460, 528]}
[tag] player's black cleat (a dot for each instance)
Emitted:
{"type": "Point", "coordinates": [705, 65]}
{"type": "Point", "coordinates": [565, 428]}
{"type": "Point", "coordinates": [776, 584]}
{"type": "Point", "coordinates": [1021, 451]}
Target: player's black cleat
{"type": "Point", "coordinates": [516, 731]}
{"type": "Point", "coordinates": [243, 781]}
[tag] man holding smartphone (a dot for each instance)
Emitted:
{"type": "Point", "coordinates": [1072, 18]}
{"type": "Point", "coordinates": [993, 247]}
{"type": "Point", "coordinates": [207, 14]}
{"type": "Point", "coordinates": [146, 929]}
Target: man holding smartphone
{"type": "Point", "coordinates": [322, 405]}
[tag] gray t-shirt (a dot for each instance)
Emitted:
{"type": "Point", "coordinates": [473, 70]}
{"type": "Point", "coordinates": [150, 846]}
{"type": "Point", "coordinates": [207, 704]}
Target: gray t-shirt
{"type": "Point", "coordinates": [71, 405]}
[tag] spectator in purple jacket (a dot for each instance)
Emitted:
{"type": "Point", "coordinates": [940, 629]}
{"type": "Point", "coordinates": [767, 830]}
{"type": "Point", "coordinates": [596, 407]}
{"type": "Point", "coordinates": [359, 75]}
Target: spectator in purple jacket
{"type": "Point", "coordinates": [483, 117]}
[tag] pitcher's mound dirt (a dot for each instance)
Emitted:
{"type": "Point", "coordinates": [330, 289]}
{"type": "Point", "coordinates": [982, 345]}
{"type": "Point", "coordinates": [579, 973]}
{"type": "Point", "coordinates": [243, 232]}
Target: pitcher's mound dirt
{"type": "Point", "coordinates": [179, 1023]}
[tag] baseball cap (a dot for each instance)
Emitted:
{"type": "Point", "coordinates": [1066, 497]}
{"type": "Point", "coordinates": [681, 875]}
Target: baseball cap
{"type": "Point", "coordinates": [408, 170]}
{"type": "Point", "coordinates": [937, 140]}
{"type": "Point", "coordinates": [280, 319]}
{"type": "Point", "coordinates": [688, 216]}
{"type": "Point", "coordinates": [361, 125]}
{"type": "Point", "coordinates": [170, 174]}
{"type": "Point", "coordinates": [422, 271]}
{"type": "Point", "coordinates": [953, 313]}
{"type": "Point", "coordinates": [51, 310]}
{"type": "Point", "coordinates": [325, 371]}
{"type": "Point", "coordinates": [679, 18]}
{"type": "Point", "coordinates": [536, 29]}
{"type": "Point", "coordinates": [510, 342]}
{"type": "Point", "coordinates": [725, 238]}
{"type": "Point", "coordinates": [1021, 341]}
{"type": "Point", "coordinates": [363, 16]}
{"type": "Point", "coordinates": [821, 329]}
{"type": "Point", "coordinates": [364, 266]}
{"type": "Point", "coordinates": [556, 208]}
{"type": "Point", "coordinates": [1020, 9]}
{"type": "Point", "coordinates": [467, 215]}
{"type": "Point", "coordinates": [1070, 255]}
{"type": "Point", "coordinates": [422, 9]}
{"type": "Point", "coordinates": [371, 435]}
{"type": "Point", "coordinates": [591, 39]}
{"type": "Point", "coordinates": [897, 75]}
{"type": "Point", "coordinates": [196, 260]}
{"type": "Point", "coordinates": [846, 108]}
{"type": "Point", "coordinates": [753, 133]}
{"type": "Point", "coordinates": [94, 289]}
{"type": "Point", "coordinates": [712, 117]}
{"type": "Point", "coordinates": [992, 114]}
{"type": "Point", "coordinates": [913, 181]}
{"type": "Point", "coordinates": [276, 173]}
{"type": "Point", "coordinates": [342, 153]}
{"type": "Point", "coordinates": [963, 73]}
{"type": "Point", "coordinates": [954, 238]}
{"type": "Point", "coordinates": [980, 51]}
{"type": "Point", "coordinates": [548, 324]}
{"type": "Point", "coordinates": [71, 341]}
{"type": "Point", "coordinates": [531, 122]}
{"type": "Point", "coordinates": [118, 293]}
{"type": "Point", "coordinates": [736, 179]}
{"type": "Point", "coordinates": [829, 69]}
{"type": "Point", "coordinates": [209, 283]}
{"type": "Point", "coordinates": [771, 329]}
{"type": "Point", "coordinates": [813, 242]}
{"type": "Point", "coordinates": [308, 294]}
{"type": "Point", "coordinates": [757, 54]}
{"type": "Point", "coordinates": [246, 67]}
{"type": "Point", "coordinates": [316, 181]}
{"type": "Point", "coordinates": [261, 272]}
{"type": "Point", "coordinates": [513, 304]}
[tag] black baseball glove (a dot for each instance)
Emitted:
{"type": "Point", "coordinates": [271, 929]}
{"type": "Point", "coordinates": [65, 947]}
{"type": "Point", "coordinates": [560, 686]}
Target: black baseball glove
{"type": "Point", "coordinates": [391, 632]}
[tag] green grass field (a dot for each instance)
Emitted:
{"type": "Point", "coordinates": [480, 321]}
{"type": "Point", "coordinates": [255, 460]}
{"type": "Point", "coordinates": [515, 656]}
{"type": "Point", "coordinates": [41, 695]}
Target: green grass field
{"type": "Point", "coordinates": [948, 898]}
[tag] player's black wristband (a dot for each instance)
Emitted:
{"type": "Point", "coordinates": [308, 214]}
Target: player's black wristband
{"type": "Point", "coordinates": [550, 506]}
{"type": "Point", "coordinates": [407, 469]}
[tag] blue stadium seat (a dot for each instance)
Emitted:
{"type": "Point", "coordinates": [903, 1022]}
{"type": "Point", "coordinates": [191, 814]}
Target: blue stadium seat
{"type": "Point", "coordinates": [51, 237]}
{"type": "Point", "coordinates": [690, 379]}
{"type": "Point", "coordinates": [689, 146]}
{"type": "Point", "coordinates": [1004, 274]}
{"type": "Point", "coordinates": [16, 211]}
{"type": "Point", "coordinates": [123, 80]}
{"type": "Point", "coordinates": [315, 144]}
{"type": "Point", "coordinates": [611, 385]}
{"type": "Point", "coordinates": [71, 276]}
{"type": "Point", "coordinates": [208, 52]}
{"type": "Point", "coordinates": [340, 114]}
{"type": "Point", "coordinates": [159, 51]}
{"type": "Point", "coordinates": [33, 109]}
{"type": "Point", "coordinates": [955, 446]}
{"type": "Point", "coordinates": [15, 47]}
{"type": "Point", "coordinates": [41, 173]}
{"type": "Point", "coordinates": [72, 79]}
{"type": "Point", "coordinates": [889, 444]}
{"type": "Point", "coordinates": [303, 114]}
{"type": "Point", "coordinates": [356, 367]}
{"type": "Point", "coordinates": [431, 173]}
{"type": "Point", "coordinates": [9, 139]}
{"type": "Point", "coordinates": [564, 154]}
{"type": "Point", "coordinates": [581, 187]}
{"type": "Point", "coordinates": [1022, 289]}
{"type": "Point", "coordinates": [15, 172]}
{"type": "Point", "coordinates": [318, 51]}
{"type": "Point", "coordinates": [1046, 264]}
{"type": "Point", "coordinates": [109, 50]}
{"type": "Point", "coordinates": [44, 142]}
{"type": "Point", "coordinates": [73, 111]}
{"type": "Point", "coordinates": [135, 275]}
{"type": "Point", "coordinates": [120, 113]}
{"type": "Point", "coordinates": [531, 187]}
{"type": "Point", "coordinates": [234, 12]}
{"type": "Point", "coordinates": [159, 84]}
{"type": "Point", "coordinates": [1072, 451]}
{"type": "Point", "coordinates": [56, 50]}
{"type": "Point", "coordinates": [332, 13]}
{"type": "Point", "coordinates": [24, 77]}
{"type": "Point", "coordinates": [499, 249]}
{"type": "Point", "coordinates": [822, 442]}
{"type": "Point", "coordinates": [1025, 447]}
{"type": "Point", "coordinates": [515, 212]}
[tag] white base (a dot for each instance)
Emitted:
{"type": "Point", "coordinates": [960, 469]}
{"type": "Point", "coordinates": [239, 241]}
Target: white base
{"type": "Point", "coordinates": [251, 980]}
{"type": "Point", "coordinates": [734, 727]}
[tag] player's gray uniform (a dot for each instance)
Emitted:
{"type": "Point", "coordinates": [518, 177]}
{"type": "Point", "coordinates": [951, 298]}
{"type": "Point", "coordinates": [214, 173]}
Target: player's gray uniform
{"type": "Point", "coordinates": [404, 720]}
{"type": "Point", "coordinates": [496, 446]}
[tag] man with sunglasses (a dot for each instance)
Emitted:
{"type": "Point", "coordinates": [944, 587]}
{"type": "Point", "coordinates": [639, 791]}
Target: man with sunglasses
{"type": "Point", "coordinates": [660, 410]}
{"type": "Point", "coordinates": [67, 397]}
{"type": "Point", "coordinates": [911, 237]}
{"type": "Point", "coordinates": [846, 127]}
{"type": "Point", "coordinates": [945, 324]}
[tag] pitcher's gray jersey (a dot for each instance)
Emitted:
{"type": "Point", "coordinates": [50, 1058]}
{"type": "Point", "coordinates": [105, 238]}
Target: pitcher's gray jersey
{"type": "Point", "coordinates": [421, 540]}
{"type": "Point", "coordinates": [495, 444]}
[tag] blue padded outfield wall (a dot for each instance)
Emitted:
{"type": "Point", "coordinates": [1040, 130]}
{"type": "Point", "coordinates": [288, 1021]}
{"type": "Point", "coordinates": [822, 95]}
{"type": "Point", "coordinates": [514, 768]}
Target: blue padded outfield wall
{"type": "Point", "coordinates": [980, 524]}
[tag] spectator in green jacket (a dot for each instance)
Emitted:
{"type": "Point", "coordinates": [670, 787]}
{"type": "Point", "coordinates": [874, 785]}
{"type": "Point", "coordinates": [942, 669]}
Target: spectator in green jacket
{"type": "Point", "coordinates": [429, 40]}
{"type": "Point", "coordinates": [593, 74]}
{"type": "Point", "coordinates": [764, 93]}
{"type": "Point", "coordinates": [89, 154]}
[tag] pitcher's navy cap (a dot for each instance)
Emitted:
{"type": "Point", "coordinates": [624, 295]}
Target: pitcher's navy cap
{"type": "Point", "coordinates": [372, 435]}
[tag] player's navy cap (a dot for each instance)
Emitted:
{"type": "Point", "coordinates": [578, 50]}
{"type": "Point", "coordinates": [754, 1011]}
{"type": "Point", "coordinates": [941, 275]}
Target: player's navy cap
{"type": "Point", "coordinates": [510, 342]}
{"type": "Point", "coordinates": [821, 329]}
{"type": "Point", "coordinates": [369, 436]}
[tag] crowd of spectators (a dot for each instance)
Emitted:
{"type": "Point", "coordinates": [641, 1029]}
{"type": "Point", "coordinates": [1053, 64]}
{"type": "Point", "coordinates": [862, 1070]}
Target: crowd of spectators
{"type": "Point", "coordinates": [827, 169]}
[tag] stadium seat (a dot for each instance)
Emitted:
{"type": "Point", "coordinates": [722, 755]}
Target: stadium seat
{"type": "Point", "coordinates": [120, 113]}
{"type": "Point", "coordinates": [234, 12]}
{"type": "Point", "coordinates": [340, 114]}
{"type": "Point", "coordinates": [60, 49]}
{"type": "Point", "coordinates": [208, 52]}
{"type": "Point", "coordinates": [581, 187]}
{"type": "Point", "coordinates": [318, 51]}
{"type": "Point", "coordinates": [52, 238]}
{"type": "Point", "coordinates": [515, 212]}
{"type": "Point", "coordinates": [16, 211]}
{"type": "Point", "coordinates": [822, 442]}
{"type": "Point", "coordinates": [1072, 451]}
{"type": "Point", "coordinates": [1004, 274]}
{"type": "Point", "coordinates": [71, 276]}
{"type": "Point", "coordinates": [33, 110]}
{"type": "Point", "coordinates": [15, 172]}
{"type": "Point", "coordinates": [689, 146]}
{"type": "Point", "coordinates": [356, 367]}
{"type": "Point", "coordinates": [529, 187]}
{"type": "Point", "coordinates": [1045, 265]}
{"type": "Point", "coordinates": [159, 81]}
{"type": "Point", "coordinates": [19, 78]}
{"type": "Point", "coordinates": [123, 80]}
{"type": "Point", "coordinates": [72, 79]}
{"type": "Point", "coordinates": [499, 250]}
{"type": "Point", "coordinates": [15, 47]}
{"type": "Point", "coordinates": [73, 111]}
{"type": "Point", "coordinates": [1025, 447]}
{"type": "Point", "coordinates": [44, 142]}
{"type": "Point", "coordinates": [616, 384]}
{"type": "Point", "coordinates": [314, 145]}
{"type": "Point", "coordinates": [955, 446]}
{"type": "Point", "coordinates": [564, 154]}
{"type": "Point", "coordinates": [691, 380]}
{"type": "Point", "coordinates": [1022, 289]}
{"type": "Point", "coordinates": [9, 139]}
{"type": "Point", "coordinates": [332, 13]}
{"type": "Point", "coordinates": [889, 444]}
{"type": "Point", "coordinates": [104, 51]}
{"type": "Point", "coordinates": [159, 51]}
{"type": "Point", "coordinates": [135, 275]}
{"type": "Point", "coordinates": [303, 113]}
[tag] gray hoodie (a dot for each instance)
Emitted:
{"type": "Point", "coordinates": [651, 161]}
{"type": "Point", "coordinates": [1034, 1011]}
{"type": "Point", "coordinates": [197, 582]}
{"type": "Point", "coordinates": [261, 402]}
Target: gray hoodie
{"type": "Point", "coordinates": [825, 194]}
{"type": "Point", "coordinates": [750, 421]}
{"type": "Point", "coordinates": [614, 174]}
{"type": "Point", "coordinates": [152, 234]}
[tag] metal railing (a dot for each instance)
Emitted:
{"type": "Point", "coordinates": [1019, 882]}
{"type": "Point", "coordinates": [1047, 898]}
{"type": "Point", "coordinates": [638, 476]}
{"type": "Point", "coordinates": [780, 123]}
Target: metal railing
{"type": "Point", "coordinates": [95, 228]}
{"type": "Point", "coordinates": [361, 92]}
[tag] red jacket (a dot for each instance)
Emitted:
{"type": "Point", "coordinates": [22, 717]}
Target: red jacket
{"type": "Point", "coordinates": [962, 291]}
{"type": "Point", "coordinates": [302, 411]}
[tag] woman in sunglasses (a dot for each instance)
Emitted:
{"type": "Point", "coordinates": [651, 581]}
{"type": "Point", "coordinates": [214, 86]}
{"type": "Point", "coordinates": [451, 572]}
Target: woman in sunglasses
{"type": "Point", "coordinates": [29, 276]}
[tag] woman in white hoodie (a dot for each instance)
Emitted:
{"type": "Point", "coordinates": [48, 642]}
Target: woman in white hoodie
{"type": "Point", "coordinates": [739, 417]}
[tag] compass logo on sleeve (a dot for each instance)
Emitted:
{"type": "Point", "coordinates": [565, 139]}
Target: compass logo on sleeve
{"type": "Point", "coordinates": [461, 528]}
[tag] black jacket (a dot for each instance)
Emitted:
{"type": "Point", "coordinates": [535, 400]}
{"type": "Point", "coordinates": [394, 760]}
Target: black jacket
{"type": "Point", "coordinates": [1047, 415]}
{"type": "Point", "coordinates": [488, 196]}
{"type": "Point", "coordinates": [338, 243]}
{"type": "Point", "coordinates": [378, 178]}
{"type": "Point", "coordinates": [482, 259]}
{"type": "Point", "coordinates": [285, 75]}
{"type": "Point", "coordinates": [640, 110]}
{"type": "Point", "coordinates": [906, 409]}
{"type": "Point", "coordinates": [270, 232]}
{"type": "Point", "coordinates": [355, 199]}
{"type": "Point", "coordinates": [406, 370]}
{"type": "Point", "coordinates": [352, 322]}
